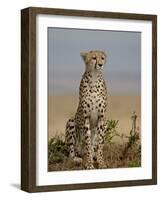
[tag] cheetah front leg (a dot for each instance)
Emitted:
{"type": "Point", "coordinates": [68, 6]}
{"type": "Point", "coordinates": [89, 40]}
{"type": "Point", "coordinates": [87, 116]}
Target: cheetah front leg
{"type": "Point", "coordinates": [101, 135]}
{"type": "Point", "coordinates": [70, 141]}
{"type": "Point", "coordinates": [88, 145]}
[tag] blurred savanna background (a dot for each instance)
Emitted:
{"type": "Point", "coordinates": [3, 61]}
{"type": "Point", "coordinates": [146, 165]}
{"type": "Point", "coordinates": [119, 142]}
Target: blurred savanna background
{"type": "Point", "coordinates": [123, 77]}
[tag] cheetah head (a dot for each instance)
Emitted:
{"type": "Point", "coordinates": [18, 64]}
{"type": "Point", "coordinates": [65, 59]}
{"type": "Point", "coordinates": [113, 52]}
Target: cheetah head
{"type": "Point", "coordinates": [94, 60]}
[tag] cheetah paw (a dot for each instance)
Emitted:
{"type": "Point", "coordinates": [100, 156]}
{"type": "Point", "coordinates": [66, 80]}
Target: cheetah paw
{"type": "Point", "coordinates": [102, 165]}
{"type": "Point", "coordinates": [89, 166]}
{"type": "Point", "coordinates": [77, 160]}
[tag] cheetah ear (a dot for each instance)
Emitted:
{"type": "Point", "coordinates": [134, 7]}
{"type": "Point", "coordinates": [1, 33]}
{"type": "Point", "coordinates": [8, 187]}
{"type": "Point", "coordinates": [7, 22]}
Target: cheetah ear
{"type": "Point", "coordinates": [83, 55]}
{"type": "Point", "coordinates": [104, 53]}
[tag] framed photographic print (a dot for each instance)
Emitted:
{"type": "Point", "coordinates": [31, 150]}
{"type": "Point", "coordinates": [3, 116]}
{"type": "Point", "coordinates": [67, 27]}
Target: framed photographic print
{"type": "Point", "coordinates": [88, 99]}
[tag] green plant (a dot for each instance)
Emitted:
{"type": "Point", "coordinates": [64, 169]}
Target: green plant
{"type": "Point", "coordinates": [110, 130]}
{"type": "Point", "coordinates": [56, 150]}
{"type": "Point", "coordinates": [133, 137]}
{"type": "Point", "coordinates": [133, 163]}
{"type": "Point", "coordinates": [133, 133]}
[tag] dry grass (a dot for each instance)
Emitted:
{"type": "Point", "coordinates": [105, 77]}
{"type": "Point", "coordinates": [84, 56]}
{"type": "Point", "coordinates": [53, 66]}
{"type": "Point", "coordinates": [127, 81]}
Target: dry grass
{"type": "Point", "coordinates": [62, 107]}
{"type": "Point", "coordinates": [126, 153]}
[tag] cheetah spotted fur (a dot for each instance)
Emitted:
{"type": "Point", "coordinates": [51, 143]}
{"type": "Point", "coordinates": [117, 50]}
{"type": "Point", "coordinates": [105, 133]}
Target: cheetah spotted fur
{"type": "Point", "coordinates": [85, 131]}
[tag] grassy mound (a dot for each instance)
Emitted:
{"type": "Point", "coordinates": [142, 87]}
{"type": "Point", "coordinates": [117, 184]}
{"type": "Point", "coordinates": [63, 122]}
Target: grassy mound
{"type": "Point", "coordinates": [126, 153]}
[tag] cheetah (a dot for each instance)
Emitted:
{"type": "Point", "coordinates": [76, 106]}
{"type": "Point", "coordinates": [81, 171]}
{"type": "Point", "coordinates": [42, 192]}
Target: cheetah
{"type": "Point", "coordinates": [85, 131]}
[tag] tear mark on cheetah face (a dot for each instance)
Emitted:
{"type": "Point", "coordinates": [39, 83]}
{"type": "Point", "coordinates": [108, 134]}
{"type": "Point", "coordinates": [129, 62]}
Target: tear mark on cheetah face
{"type": "Point", "coordinates": [94, 60]}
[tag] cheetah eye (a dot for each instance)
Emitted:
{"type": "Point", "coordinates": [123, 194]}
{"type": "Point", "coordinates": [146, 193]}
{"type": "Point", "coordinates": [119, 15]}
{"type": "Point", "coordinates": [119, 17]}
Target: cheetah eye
{"type": "Point", "coordinates": [103, 58]}
{"type": "Point", "coordinates": [94, 57]}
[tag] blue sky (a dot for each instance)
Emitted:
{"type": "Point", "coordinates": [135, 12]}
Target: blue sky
{"type": "Point", "coordinates": [65, 66]}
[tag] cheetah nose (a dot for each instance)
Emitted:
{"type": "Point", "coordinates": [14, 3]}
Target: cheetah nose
{"type": "Point", "coordinates": [100, 65]}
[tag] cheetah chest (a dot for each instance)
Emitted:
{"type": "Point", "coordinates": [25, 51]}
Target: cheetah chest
{"type": "Point", "coordinates": [96, 102]}
{"type": "Point", "coordinates": [93, 114]}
